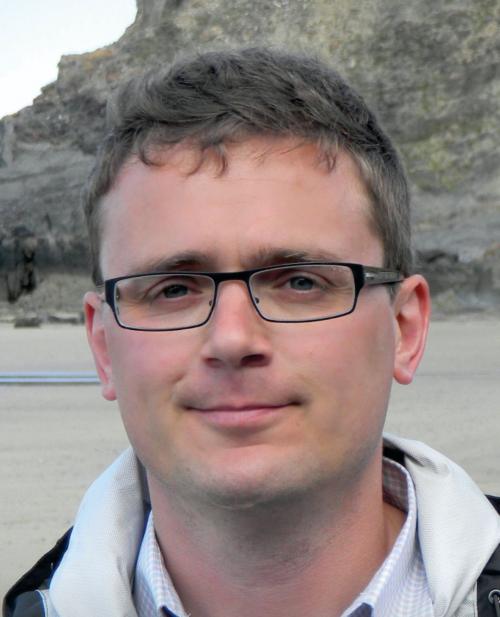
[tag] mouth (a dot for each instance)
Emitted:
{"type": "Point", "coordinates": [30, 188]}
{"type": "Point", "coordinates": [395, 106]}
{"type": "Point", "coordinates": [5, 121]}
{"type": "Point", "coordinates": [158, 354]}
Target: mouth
{"type": "Point", "coordinates": [247, 416]}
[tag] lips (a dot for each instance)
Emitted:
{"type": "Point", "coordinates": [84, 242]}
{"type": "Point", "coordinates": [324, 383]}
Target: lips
{"type": "Point", "coordinates": [243, 416]}
{"type": "Point", "coordinates": [225, 407]}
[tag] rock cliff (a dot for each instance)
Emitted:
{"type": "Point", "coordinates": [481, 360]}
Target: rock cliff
{"type": "Point", "coordinates": [430, 68]}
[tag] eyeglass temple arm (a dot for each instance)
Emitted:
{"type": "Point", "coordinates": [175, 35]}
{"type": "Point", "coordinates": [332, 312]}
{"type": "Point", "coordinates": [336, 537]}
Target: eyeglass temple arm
{"type": "Point", "coordinates": [101, 292]}
{"type": "Point", "coordinates": [379, 276]}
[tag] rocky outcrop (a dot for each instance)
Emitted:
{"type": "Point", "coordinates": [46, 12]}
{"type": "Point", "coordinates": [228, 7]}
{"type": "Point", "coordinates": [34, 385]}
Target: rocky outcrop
{"type": "Point", "coordinates": [431, 69]}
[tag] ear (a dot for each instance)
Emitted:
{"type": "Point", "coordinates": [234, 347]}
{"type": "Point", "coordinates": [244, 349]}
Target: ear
{"type": "Point", "coordinates": [412, 308]}
{"type": "Point", "coordinates": [96, 335]}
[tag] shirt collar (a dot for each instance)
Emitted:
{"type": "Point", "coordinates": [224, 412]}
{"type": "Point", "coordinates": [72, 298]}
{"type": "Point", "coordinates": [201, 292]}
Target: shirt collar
{"type": "Point", "coordinates": [387, 586]}
{"type": "Point", "coordinates": [154, 591]}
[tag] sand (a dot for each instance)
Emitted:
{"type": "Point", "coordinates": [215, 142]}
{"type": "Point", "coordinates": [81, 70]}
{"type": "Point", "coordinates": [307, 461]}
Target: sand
{"type": "Point", "coordinates": [54, 440]}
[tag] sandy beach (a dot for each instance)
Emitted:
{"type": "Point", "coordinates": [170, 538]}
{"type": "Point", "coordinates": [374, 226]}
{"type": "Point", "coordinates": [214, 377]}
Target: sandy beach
{"type": "Point", "coordinates": [55, 439]}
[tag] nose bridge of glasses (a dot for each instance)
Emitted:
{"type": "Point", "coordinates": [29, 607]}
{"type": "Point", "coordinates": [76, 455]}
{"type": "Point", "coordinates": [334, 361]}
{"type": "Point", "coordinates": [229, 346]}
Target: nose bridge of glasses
{"type": "Point", "coordinates": [241, 278]}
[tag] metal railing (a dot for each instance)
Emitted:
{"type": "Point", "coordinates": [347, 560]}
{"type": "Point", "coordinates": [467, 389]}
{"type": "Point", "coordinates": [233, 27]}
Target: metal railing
{"type": "Point", "coordinates": [48, 377]}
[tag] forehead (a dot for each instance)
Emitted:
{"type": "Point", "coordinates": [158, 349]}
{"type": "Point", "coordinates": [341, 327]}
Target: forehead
{"type": "Point", "coordinates": [274, 193]}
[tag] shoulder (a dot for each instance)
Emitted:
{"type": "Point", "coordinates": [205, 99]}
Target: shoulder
{"type": "Point", "coordinates": [488, 584]}
{"type": "Point", "coordinates": [25, 598]}
{"type": "Point", "coordinates": [28, 604]}
{"type": "Point", "coordinates": [495, 502]}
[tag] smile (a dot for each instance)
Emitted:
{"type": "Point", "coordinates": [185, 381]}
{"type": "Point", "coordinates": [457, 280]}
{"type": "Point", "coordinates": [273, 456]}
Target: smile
{"type": "Point", "coordinates": [251, 416]}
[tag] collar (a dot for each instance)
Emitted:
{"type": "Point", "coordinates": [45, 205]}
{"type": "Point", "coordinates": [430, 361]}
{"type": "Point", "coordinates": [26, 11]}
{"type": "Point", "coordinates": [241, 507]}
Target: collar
{"type": "Point", "coordinates": [154, 591]}
{"type": "Point", "coordinates": [399, 587]}
{"type": "Point", "coordinates": [457, 530]}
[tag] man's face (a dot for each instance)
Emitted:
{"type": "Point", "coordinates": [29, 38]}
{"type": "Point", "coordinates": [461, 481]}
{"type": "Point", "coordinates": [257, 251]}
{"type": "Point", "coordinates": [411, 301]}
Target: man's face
{"type": "Point", "coordinates": [240, 409]}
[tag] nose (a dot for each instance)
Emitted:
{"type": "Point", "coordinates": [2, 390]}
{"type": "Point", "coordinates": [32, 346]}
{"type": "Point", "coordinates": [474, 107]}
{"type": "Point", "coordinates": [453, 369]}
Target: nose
{"type": "Point", "coordinates": [236, 336]}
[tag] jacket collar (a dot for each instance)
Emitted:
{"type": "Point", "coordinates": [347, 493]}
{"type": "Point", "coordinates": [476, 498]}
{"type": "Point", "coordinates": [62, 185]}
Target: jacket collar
{"type": "Point", "coordinates": [458, 530]}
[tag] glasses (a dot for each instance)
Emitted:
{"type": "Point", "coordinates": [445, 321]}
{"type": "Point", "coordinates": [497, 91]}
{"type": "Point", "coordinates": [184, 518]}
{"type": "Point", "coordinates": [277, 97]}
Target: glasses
{"type": "Point", "coordinates": [293, 293]}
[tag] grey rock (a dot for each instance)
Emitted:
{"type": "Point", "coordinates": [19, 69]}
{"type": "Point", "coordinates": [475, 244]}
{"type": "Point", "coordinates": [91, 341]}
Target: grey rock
{"type": "Point", "coordinates": [431, 69]}
{"type": "Point", "coordinates": [7, 318]}
{"type": "Point", "coordinates": [62, 317]}
{"type": "Point", "coordinates": [30, 320]}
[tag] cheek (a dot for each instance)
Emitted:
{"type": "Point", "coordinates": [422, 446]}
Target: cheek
{"type": "Point", "coordinates": [347, 365]}
{"type": "Point", "coordinates": [147, 366]}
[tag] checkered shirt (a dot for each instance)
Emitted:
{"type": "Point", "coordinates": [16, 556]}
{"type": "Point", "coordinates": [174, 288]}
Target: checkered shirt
{"type": "Point", "coordinates": [399, 587]}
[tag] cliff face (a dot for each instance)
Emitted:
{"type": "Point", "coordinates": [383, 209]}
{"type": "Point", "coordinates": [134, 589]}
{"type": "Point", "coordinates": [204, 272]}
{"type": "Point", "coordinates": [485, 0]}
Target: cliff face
{"type": "Point", "coordinates": [431, 69]}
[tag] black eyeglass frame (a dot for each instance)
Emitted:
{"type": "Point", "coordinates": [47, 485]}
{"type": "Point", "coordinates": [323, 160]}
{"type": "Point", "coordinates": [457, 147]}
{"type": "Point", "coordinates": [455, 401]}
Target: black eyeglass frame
{"type": "Point", "coordinates": [364, 276]}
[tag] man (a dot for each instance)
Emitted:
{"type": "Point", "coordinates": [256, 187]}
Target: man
{"type": "Point", "coordinates": [250, 236]}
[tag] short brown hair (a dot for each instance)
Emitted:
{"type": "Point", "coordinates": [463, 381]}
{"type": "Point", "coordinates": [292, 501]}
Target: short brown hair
{"type": "Point", "coordinates": [216, 98]}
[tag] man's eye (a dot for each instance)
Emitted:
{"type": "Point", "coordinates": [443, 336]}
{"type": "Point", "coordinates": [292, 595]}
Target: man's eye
{"type": "Point", "coordinates": [174, 291]}
{"type": "Point", "coordinates": [302, 283]}
{"type": "Point", "coordinates": [171, 290]}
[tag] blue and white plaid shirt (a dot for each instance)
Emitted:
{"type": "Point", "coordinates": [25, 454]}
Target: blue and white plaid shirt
{"type": "Point", "coordinates": [399, 587]}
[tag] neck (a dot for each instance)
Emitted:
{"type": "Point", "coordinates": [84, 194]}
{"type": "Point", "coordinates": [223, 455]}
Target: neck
{"type": "Point", "coordinates": [276, 559]}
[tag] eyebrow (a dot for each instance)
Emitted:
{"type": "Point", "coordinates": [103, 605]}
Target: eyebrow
{"type": "Point", "coordinates": [268, 256]}
{"type": "Point", "coordinates": [274, 256]}
{"type": "Point", "coordinates": [185, 260]}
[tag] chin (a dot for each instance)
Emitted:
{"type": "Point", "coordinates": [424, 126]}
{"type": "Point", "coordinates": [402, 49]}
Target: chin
{"type": "Point", "coordinates": [251, 486]}
{"type": "Point", "coordinates": [244, 497]}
